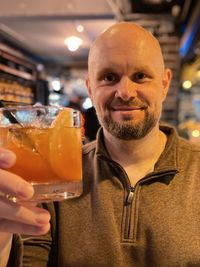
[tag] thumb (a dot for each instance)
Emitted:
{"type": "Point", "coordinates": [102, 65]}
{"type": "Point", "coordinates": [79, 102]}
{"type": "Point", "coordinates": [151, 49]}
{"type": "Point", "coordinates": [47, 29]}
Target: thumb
{"type": "Point", "coordinates": [7, 158]}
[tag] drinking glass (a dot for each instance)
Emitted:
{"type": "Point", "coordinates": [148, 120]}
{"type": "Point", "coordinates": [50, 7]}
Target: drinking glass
{"type": "Point", "coordinates": [48, 145]}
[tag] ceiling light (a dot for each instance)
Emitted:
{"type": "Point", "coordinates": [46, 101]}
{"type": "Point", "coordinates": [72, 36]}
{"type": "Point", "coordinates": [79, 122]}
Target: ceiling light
{"type": "Point", "coordinates": [195, 133]}
{"type": "Point", "coordinates": [187, 84]}
{"type": "Point", "coordinates": [80, 28]}
{"type": "Point", "coordinates": [73, 43]}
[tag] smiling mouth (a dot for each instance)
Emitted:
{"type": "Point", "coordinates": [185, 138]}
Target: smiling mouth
{"type": "Point", "coordinates": [122, 108]}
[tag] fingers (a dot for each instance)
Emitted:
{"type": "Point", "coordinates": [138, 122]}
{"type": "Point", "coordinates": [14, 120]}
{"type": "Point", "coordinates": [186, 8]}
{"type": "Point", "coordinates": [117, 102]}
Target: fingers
{"type": "Point", "coordinates": [20, 228]}
{"type": "Point", "coordinates": [15, 218]}
{"type": "Point", "coordinates": [7, 158]}
{"type": "Point", "coordinates": [14, 185]}
{"type": "Point", "coordinates": [10, 183]}
{"type": "Point", "coordinates": [27, 215]}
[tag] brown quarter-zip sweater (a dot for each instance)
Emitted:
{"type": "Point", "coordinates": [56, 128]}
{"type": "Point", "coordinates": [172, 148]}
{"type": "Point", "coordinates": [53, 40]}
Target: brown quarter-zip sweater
{"type": "Point", "coordinates": [156, 223]}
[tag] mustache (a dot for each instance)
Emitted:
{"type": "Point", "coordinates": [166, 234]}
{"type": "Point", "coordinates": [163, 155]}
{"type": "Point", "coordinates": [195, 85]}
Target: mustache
{"type": "Point", "coordinates": [129, 103]}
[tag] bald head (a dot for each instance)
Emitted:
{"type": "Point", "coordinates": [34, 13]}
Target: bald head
{"type": "Point", "coordinates": [126, 69]}
{"type": "Point", "coordinates": [126, 35]}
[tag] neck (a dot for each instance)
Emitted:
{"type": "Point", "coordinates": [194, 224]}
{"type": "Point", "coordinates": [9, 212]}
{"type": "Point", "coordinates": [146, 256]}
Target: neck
{"type": "Point", "coordinates": [136, 152]}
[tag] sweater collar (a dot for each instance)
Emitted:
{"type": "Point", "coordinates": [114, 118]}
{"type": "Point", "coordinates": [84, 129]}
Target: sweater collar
{"type": "Point", "coordinates": [168, 159]}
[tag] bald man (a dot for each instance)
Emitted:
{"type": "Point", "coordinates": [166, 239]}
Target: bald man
{"type": "Point", "coordinates": [141, 183]}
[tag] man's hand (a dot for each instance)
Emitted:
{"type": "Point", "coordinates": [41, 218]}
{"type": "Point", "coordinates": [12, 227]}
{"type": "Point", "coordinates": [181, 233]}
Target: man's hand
{"type": "Point", "coordinates": [16, 218]}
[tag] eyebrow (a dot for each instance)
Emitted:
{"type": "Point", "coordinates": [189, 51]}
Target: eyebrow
{"type": "Point", "coordinates": [144, 69]}
{"type": "Point", "coordinates": [116, 69]}
{"type": "Point", "coordinates": [106, 70]}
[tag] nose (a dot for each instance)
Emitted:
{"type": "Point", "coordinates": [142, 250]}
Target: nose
{"type": "Point", "coordinates": [126, 89]}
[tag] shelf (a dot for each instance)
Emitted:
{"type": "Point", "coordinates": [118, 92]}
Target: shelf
{"type": "Point", "coordinates": [17, 66]}
{"type": "Point", "coordinates": [15, 59]}
{"type": "Point", "coordinates": [17, 73]}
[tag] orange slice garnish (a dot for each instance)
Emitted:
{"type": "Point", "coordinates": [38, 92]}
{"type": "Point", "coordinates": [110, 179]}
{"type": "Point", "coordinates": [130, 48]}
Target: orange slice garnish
{"type": "Point", "coordinates": [65, 147]}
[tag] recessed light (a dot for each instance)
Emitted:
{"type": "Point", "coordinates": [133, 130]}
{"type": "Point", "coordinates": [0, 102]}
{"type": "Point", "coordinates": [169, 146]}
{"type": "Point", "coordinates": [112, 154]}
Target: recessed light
{"type": "Point", "coordinates": [80, 28]}
{"type": "Point", "coordinates": [73, 43]}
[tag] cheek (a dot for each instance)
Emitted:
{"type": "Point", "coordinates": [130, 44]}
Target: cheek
{"type": "Point", "coordinates": [153, 94]}
{"type": "Point", "coordinates": [154, 98]}
{"type": "Point", "coordinates": [102, 97]}
{"type": "Point", "coordinates": [98, 102]}
{"type": "Point", "coordinates": [157, 102]}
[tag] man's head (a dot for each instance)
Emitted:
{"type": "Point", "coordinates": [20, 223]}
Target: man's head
{"type": "Point", "coordinates": [127, 81]}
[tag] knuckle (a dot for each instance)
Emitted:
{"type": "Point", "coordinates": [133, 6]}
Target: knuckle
{"type": "Point", "coordinates": [4, 225]}
{"type": "Point", "coordinates": [7, 158]}
{"type": "Point", "coordinates": [19, 212]}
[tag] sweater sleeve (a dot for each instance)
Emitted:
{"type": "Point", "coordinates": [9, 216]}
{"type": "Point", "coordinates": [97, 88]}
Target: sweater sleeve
{"type": "Point", "coordinates": [30, 251]}
{"type": "Point", "coordinates": [16, 253]}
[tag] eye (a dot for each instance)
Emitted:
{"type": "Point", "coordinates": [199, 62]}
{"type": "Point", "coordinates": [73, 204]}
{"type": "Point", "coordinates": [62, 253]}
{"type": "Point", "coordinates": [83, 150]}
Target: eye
{"type": "Point", "coordinates": [139, 76]}
{"type": "Point", "coordinates": [111, 77]}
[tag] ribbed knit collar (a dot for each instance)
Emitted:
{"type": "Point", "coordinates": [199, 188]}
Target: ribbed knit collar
{"type": "Point", "coordinates": [168, 159]}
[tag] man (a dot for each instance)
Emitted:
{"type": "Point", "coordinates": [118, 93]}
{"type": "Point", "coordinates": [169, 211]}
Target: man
{"type": "Point", "coordinates": [140, 201]}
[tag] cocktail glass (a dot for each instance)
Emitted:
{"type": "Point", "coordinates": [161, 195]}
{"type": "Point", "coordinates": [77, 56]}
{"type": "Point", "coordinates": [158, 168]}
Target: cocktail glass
{"type": "Point", "coordinates": [48, 145]}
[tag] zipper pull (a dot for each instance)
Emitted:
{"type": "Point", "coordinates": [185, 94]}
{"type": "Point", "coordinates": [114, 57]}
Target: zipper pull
{"type": "Point", "coordinates": [129, 198]}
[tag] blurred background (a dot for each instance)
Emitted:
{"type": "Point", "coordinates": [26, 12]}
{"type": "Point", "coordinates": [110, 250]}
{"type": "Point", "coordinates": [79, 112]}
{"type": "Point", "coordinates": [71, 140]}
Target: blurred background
{"type": "Point", "coordinates": [44, 46]}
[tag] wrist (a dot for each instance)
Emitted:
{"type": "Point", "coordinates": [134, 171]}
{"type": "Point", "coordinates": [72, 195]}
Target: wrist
{"type": "Point", "coordinates": [5, 243]}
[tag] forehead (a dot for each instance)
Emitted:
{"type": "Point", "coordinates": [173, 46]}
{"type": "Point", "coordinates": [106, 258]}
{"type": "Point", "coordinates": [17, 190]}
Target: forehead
{"type": "Point", "coordinates": [125, 46]}
{"type": "Point", "coordinates": [123, 56]}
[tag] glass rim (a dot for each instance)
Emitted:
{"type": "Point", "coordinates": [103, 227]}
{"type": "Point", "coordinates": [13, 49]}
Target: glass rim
{"type": "Point", "coordinates": [32, 107]}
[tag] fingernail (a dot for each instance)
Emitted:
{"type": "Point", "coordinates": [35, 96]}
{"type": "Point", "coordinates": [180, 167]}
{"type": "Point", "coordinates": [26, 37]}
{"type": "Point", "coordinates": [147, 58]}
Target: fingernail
{"type": "Point", "coordinates": [7, 158]}
{"type": "Point", "coordinates": [41, 229]}
{"type": "Point", "coordinates": [43, 218]}
{"type": "Point", "coordinates": [25, 191]}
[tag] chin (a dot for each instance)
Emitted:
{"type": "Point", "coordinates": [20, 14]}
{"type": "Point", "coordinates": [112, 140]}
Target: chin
{"type": "Point", "coordinates": [127, 121]}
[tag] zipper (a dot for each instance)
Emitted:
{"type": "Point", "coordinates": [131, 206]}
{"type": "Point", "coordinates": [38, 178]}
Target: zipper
{"type": "Point", "coordinates": [128, 224]}
{"type": "Point", "coordinates": [130, 207]}
{"type": "Point", "coordinates": [130, 195]}
{"type": "Point", "coordinates": [129, 215]}
{"type": "Point", "coordinates": [129, 230]}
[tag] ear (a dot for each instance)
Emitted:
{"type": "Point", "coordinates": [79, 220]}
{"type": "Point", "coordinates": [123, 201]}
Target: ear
{"type": "Point", "coordinates": [167, 76]}
{"type": "Point", "coordinates": [87, 83]}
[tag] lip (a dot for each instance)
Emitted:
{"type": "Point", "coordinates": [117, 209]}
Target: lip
{"type": "Point", "coordinates": [122, 108]}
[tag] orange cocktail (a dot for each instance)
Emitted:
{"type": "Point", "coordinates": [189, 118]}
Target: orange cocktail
{"type": "Point", "coordinates": [48, 151]}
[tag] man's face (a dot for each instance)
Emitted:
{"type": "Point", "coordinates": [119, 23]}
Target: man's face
{"type": "Point", "coordinates": [127, 85]}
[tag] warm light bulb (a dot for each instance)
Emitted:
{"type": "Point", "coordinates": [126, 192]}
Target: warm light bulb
{"type": "Point", "coordinates": [73, 43]}
{"type": "Point", "coordinates": [80, 28]}
{"type": "Point", "coordinates": [195, 133]}
{"type": "Point", "coordinates": [187, 84]}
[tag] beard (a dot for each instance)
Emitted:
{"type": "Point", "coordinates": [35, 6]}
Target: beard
{"type": "Point", "coordinates": [128, 129]}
